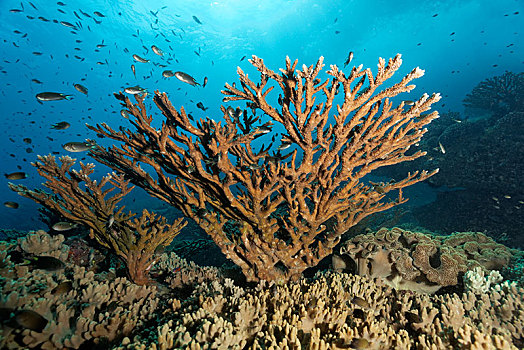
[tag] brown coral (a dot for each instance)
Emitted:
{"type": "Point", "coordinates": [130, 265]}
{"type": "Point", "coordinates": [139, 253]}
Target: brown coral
{"type": "Point", "coordinates": [91, 311]}
{"type": "Point", "coordinates": [270, 212]}
{"type": "Point", "coordinates": [339, 311]}
{"type": "Point", "coordinates": [82, 200]}
{"type": "Point", "coordinates": [416, 261]}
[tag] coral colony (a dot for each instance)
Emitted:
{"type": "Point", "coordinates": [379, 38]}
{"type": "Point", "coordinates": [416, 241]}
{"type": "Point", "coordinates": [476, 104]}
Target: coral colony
{"type": "Point", "coordinates": [275, 186]}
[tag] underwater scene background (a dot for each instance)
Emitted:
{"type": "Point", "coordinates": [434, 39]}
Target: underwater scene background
{"type": "Point", "coordinates": [397, 227]}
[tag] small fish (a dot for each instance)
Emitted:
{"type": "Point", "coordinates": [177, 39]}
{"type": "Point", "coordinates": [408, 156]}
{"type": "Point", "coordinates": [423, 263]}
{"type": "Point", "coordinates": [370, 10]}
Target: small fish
{"type": "Point", "coordinates": [78, 146]}
{"type": "Point", "coordinates": [201, 106]}
{"type": "Point", "coordinates": [52, 96]}
{"type": "Point", "coordinates": [157, 51]}
{"type": "Point", "coordinates": [60, 126]}
{"type": "Point", "coordinates": [349, 59]}
{"type": "Point", "coordinates": [63, 226]}
{"type": "Point", "coordinates": [243, 58]}
{"type": "Point", "coordinates": [202, 213]}
{"type": "Point", "coordinates": [98, 14]}
{"type": "Point", "coordinates": [360, 343]}
{"type": "Point", "coordinates": [30, 319]}
{"type": "Point", "coordinates": [110, 221]}
{"type": "Point", "coordinates": [27, 140]}
{"type": "Point", "coordinates": [67, 24]}
{"type": "Point", "coordinates": [133, 90]}
{"type": "Point", "coordinates": [409, 103]}
{"type": "Point", "coordinates": [63, 288]}
{"type": "Point", "coordinates": [133, 69]}
{"type": "Point", "coordinates": [205, 82]}
{"type": "Point", "coordinates": [507, 196]}
{"type": "Point", "coordinates": [81, 88]}
{"type": "Point", "coordinates": [47, 263]}
{"type": "Point", "coordinates": [197, 20]}
{"type": "Point", "coordinates": [19, 175]}
{"type": "Point", "coordinates": [442, 149]}
{"type": "Point", "coordinates": [168, 74]}
{"type": "Point", "coordinates": [264, 129]}
{"type": "Point", "coordinates": [140, 59]}
{"type": "Point", "coordinates": [12, 205]}
{"type": "Point", "coordinates": [284, 145]}
{"type": "Point", "coordinates": [186, 78]}
{"type": "Point", "coordinates": [360, 302]}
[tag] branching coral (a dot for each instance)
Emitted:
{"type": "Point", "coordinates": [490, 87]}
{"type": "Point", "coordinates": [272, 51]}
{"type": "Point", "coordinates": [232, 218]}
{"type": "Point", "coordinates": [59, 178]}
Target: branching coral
{"type": "Point", "coordinates": [83, 200]}
{"type": "Point", "coordinates": [339, 311]}
{"type": "Point", "coordinates": [500, 94]}
{"type": "Point", "coordinates": [276, 214]}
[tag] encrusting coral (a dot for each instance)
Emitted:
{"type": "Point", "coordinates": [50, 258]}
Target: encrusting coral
{"type": "Point", "coordinates": [419, 262]}
{"type": "Point", "coordinates": [276, 214]}
{"type": "Point", "coordinates": [82, 200]}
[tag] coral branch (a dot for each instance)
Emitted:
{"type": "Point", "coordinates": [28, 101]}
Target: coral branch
{"type": "Point", "coordinates": [82, 200]}
{"type": "Point", "coordinates": [500, 94]}
{"type": "Point", "coordinates": [280, 209]}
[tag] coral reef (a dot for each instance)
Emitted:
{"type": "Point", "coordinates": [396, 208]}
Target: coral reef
{"type": "Point", "coordinates": [82, 200]}
{"type": "Point", "coordinates": [75, 309]}
{"type": "Point", "coordinates": [500, 94]}
{"type": "Point", "coordinates": [478, 162]}
{"type": "Point", "coordinates": [78, 307]}
{"type": "Point", "coordinates": [338, 311]}
{"type": "Point", "coordinates": [476, 282]}
{"type": "Point", "coordinates": [415, 261]}
{"type": "Point", "coordinates": [179, 272]}
{"type": "Point", "coordinates": [480, 181]}
{"type": "Point", "coordinates": [276, 214]}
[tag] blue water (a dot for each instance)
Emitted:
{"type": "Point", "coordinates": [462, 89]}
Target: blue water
{"type": "Point", "coordinates": [458, 44]}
